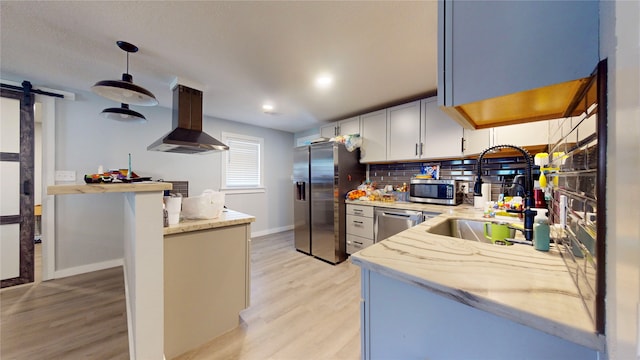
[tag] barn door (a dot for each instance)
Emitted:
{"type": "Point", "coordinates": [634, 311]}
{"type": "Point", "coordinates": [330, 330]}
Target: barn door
{"type": "Point", "coordinates": [16, 187]}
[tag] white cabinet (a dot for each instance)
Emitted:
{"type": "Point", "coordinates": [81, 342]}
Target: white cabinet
{"type": "Point", "coordinates": [475, 141]}
{"type": "Point", "coordinates": [533, 133]}
{"type": "Point", "coordinates": [492, 48]}
{"type": "Point", "coordinates": [374, 136]}
{"type": "Point", "coordinates": [359, 227]}
{"type": "Point", "coordinates": [441, 135]}
{"type": "Point", "coordinates": [411, 131]}
{"type": "Point", "coordinates": [348, 126]}
{"type": "Point", "coordinates": [329, 131]}
{"type": "Point", "coordinates": [527, 134]}
{"type": "Point", "coordinates": [403, 129]}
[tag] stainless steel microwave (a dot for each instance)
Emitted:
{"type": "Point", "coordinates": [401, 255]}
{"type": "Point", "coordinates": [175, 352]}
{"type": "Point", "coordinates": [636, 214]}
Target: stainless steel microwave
{"type": "Point", "coordinates": [431, 191]}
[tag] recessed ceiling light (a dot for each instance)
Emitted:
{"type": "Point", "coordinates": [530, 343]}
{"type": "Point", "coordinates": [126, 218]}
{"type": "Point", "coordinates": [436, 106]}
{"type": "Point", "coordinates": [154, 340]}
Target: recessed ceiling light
{"type": "Point", "coordinates": [268, 108]}
{"type": "Point", "coordinates": [324, 81]}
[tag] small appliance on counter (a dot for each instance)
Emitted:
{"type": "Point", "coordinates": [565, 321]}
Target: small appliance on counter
{"type": "Point", "coordinates": [432, 191]}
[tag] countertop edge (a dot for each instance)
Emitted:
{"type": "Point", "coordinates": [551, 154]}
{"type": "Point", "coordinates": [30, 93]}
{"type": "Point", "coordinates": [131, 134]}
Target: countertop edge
{"type": "Point", "coordinates": [227, 218]}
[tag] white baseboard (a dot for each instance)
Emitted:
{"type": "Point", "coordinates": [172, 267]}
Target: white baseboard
{"type": "Point", "coordinates": [271, 231]}
{"type": "Point", "coordinates": [83, 269]}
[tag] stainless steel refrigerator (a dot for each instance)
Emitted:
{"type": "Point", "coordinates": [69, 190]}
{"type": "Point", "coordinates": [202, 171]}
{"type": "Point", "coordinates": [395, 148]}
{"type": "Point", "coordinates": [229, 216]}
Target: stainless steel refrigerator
{"type": "Point", "coordinates": [322, 175]}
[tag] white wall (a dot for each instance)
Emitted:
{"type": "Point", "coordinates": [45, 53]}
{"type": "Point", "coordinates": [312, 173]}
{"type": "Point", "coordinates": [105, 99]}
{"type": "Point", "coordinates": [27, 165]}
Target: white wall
{"type": "Point", "coordinates": [620, 43]}
{"type": "Point", "coordinates": [89, 227]}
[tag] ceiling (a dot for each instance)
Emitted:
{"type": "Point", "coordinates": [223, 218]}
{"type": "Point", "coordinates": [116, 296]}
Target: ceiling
{"type": "Point", "coordinates": [240, 53]}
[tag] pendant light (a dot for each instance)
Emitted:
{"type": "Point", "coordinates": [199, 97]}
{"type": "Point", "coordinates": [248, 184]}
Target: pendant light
{"type": "Point", "coordinates": [123, 113]}
{"type": "Point", "coordinates": [125, 91]}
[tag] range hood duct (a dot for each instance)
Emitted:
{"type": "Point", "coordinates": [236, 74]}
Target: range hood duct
{"type": "Point", "coordinates": [187, 136]}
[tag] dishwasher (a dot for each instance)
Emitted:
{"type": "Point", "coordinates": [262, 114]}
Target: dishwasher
{"type": "Point", "coordinates": [388, 222]}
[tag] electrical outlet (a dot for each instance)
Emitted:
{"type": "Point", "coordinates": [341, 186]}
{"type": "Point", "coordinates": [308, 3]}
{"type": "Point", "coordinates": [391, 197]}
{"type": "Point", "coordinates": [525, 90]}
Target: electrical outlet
{"type": "Point", "coordinates": [464, 188]}
{"type": "Point", "coordinates": [65, 175]}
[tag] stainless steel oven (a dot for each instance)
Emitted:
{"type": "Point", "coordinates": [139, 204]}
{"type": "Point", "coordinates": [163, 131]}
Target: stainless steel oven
{"type": "Point", "coordinates": [431, 191]}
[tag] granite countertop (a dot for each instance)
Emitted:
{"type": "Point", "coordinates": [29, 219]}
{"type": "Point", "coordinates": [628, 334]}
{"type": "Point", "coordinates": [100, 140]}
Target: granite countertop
{"type": "Point", "coordinates": [227, 218]}
{"type": "Point", "coordinates": [515, 282]}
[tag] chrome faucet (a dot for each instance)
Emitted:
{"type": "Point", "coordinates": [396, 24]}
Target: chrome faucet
{"type": "Point", "coordinates": [529, 214]}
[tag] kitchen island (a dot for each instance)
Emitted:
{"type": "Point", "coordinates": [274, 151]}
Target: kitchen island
{"type": "Point", "coordinates": [432, 296]}
{"type": "Point", "coordinates": [206, 279]}
{"type": "Point", "coordinates": [142, 236]}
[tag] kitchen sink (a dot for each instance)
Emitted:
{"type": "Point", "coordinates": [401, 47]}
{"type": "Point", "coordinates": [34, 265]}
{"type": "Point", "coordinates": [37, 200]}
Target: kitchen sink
{"type": "Point", "coordinates": [472, 230]}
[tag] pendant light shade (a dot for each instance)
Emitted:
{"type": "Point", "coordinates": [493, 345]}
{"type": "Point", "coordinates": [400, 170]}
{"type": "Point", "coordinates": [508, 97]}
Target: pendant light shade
{"type": "Point", "coordinates": [123, 113]}
{"type": "Point", "coordinates": [125, 91]}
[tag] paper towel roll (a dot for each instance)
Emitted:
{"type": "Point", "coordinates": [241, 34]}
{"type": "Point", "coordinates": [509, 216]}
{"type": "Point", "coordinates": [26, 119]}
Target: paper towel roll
{"type": "Point", "coordinates": [480, 201]}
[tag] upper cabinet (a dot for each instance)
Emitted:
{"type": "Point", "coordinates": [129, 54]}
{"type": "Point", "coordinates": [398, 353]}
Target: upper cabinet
{"type": "Point", "coordinates": [534, 133]}
{"type": "Point", "coordinates": [475, 141]}
{"type": "Point", "coordinates": [525, 51]}
{"type": "Point", "coordinates": [374, 136]}
{"type": "Point", "coordinates": [403, 132]}
{"type": "Point", "coordinates": [527, 134]}
{"type": "Point", "coordinates": [441, 136]}
{"type": "Point", "coordinates": [412, 131]}
{"type": "Point", "coordinates": [348, 126]}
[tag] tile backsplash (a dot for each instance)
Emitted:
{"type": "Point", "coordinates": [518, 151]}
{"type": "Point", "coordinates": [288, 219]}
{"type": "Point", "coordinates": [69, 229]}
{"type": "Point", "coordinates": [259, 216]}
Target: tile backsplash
{"type": "Point", "coordinates": [179, 187]}
{"type": "Point", "coordinates": [497, 171]}
{"type": "Point", "coordinates": [574, 158]}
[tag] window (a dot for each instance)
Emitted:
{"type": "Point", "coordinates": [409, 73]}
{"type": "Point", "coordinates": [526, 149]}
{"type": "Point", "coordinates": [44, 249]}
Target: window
{"type": "Point", "coordinates": [242, 165]}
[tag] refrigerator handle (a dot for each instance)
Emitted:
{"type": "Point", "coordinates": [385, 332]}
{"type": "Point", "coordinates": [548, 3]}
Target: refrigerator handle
{"type": "Point", "coordinates": [300, 193]}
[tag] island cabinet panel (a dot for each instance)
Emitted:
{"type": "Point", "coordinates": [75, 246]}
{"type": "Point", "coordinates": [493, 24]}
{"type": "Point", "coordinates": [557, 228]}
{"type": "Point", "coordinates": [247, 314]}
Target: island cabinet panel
{"type": "Point", "coordinates": [206, 285]}
{"type": "Point", "coordinates": [406, 321]}
{"type": "Point", "coordinates": [493, 48]}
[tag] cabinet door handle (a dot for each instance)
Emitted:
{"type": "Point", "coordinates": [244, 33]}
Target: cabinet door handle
{"type": "Point", "coordinates": [461, 144]}
{"type": "Point", "coordinates": [416, 149]}
{"type": "Point", "coordinates": [421, 153]}
{"type": "Point", "coordinates": [26, 187]}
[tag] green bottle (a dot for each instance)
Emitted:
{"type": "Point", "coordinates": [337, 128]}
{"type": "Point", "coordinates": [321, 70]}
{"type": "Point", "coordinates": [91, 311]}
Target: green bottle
{"type": "Point", "coordinates": [541, 237]}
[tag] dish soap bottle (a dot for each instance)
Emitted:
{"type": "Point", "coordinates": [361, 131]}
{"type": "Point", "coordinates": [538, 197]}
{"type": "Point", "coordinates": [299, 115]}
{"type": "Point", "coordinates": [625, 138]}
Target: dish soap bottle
{"type": "Point", "coordinates": [541, 230]}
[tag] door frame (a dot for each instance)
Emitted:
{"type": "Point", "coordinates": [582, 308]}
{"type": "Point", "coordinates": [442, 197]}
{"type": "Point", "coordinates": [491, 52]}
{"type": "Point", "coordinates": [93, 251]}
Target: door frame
{"type": "Point", "coordinates": [48, 138]}
{"type": "Point", "coordinates": [25, 157]}
{"type": "Point", "coordinates": [47, 99]}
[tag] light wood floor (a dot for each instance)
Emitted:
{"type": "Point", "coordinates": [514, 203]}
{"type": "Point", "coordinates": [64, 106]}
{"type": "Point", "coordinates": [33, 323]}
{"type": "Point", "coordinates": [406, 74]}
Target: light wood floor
{"type": "Point", "coordinates": [301, 308]}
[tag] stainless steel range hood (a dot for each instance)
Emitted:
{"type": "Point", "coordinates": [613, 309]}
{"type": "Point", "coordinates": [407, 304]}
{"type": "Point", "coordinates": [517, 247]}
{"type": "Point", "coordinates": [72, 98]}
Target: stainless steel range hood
{"type": "Point", "coordinates": [187, 136]}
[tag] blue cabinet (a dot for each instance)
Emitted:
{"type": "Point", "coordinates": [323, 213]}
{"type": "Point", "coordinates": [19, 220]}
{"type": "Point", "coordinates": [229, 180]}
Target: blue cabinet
{"type": "Point", "coordinates": [493, 48]}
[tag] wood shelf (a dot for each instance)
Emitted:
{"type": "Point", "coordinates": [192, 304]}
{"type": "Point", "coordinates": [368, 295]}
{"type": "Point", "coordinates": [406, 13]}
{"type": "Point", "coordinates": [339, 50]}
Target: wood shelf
{"type": "Point", "coordinates": [107, 188]}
